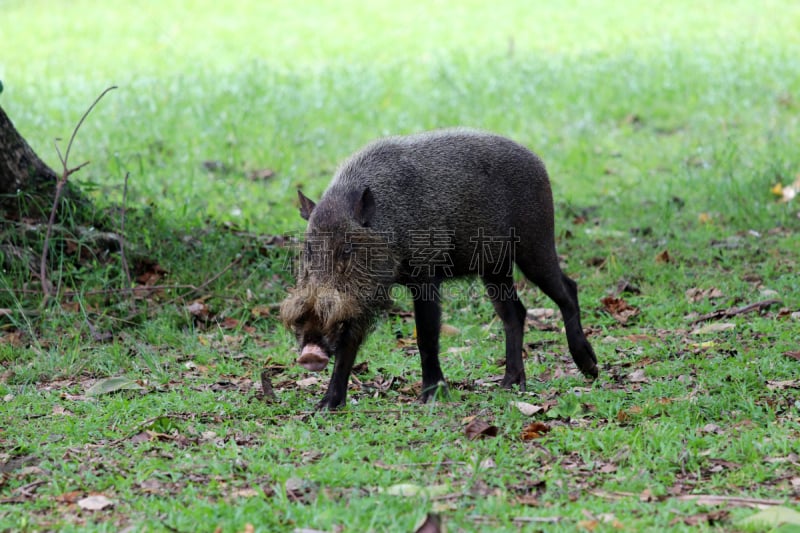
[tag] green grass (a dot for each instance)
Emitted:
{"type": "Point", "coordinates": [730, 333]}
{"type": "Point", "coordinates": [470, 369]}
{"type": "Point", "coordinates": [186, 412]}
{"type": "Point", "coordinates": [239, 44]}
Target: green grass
{"type": "Point", "coordinates": [663, 125]}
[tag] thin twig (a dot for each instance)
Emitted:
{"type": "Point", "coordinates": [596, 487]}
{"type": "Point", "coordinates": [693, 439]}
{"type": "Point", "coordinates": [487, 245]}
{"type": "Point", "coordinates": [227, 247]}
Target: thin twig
{"type": "Point", "coordinates": [727, 313]}
{"type": "Point", "coordinates": [716, 499]}
{"type": "Point", "coordinates": [62, 181]}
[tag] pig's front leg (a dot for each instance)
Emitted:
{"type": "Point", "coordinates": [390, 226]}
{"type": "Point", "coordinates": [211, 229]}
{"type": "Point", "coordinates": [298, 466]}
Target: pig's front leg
{"type": "Point", "coordinates": [345, 357]}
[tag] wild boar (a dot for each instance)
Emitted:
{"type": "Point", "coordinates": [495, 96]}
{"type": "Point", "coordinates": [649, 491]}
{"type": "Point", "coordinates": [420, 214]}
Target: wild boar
{"type": "Point", "coordinates": [416, 211]}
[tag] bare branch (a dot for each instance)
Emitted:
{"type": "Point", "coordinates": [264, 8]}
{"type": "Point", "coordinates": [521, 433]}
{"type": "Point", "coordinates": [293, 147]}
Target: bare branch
{"type": "Point", "coordinates": [62, 181]}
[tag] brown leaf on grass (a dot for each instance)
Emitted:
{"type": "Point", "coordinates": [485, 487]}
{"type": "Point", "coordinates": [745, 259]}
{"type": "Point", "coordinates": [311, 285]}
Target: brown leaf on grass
{"type": "Point", "coordinates": [624, 285]}
{"type": "Point", "coordinates": [406, 342]}
{"type": "Point", "coordinates": [148, 272]}
{"type": "Point", "coordinates": [619, 309]}
{"type": "Point", "coordinates": [260, 174]}
{"type": "Point", "coordinates": [60, 410]}
{"type": "Point", "coordinates": [696, 294]}
{"type": "Point", "coordinates": [95, 502]}
{"type": "Point", "coordinates": [793, 355]}
{"type": "Point", "coordinates": [477, 428]}
{"type": "Point", "coordinates": [647, 496]}
{"type": "Point", "coordinates": [199, 309]}
{"type": "Point", "coordinates": [112, 384]}
{"type": "Point", "coordinates": [300, 491]}
{"type": "Point", "coordinates": [720, 465]}
{"type": "Point", "coordinates": [712, 429]}
{"type": "Point", "coordinates": [625, 415]}
{"type": "Point", "coordinates": [541, 313]}
{"type": "Point", "coordinates": [307, 382]}
{"type": "Point", "coordinates": [229, 323]}
{"type": "Point", "coordinates": [245, 492]}
{"type": "Point", "coordinates": [261, 311]}
{"type": "Point", "coordinates": [637, 376]}
{"type": "Point", "coordinates": [431, 524]}
{"type": "Point", "coordinates": [663, 257]}
{"type": "Point", "coordinates": [783, 385]}
{"type": "Point", "coordinates": [535, 430]}
{"type": "Point", "coordinates": [528, 500]}
{"type": "Point", "coordinates": [528, 409]}
{"type": "Point", "coordinates": [711, 518]}
{"type": "Point", "coordinates": [69, 497]}
{"type": "Point", "coordinates": [717, 327]}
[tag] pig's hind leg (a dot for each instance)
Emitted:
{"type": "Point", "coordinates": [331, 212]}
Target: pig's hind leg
{"type": "Point", "coordinates": [504, 297]}
{"type": "Point", "coordinates": [547, 275]}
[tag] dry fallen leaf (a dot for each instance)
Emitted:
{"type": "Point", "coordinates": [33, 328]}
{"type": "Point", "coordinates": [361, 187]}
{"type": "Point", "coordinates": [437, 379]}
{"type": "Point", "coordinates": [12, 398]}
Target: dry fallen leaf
{"type": "Point", "coordinates": [246, 492]}
{"type": "Point", "coordinates": [480, 429]}
{"type": "Point", "coordinates": [637, 376]}
{"type": "Point", "coordinates": [711, 428]}
{"type": "Point", "coordinates": [69, 497]}
{"type": "Point", "coordinates": [260, 174]}
{"type": "Point", "coordinates": [535, 430]}
{"type": "Point", "coordinates": [541, 313]}
{"type": "Point", "coordinates": [199, 309]}
{"type": "Point", "coordinates": [695, 294]}
{"type": "Point", "coordinates": [307, 382]}
{"type": "Point", "coordinates": [793, 355]}
{"type": "Point", "coordinates": [95, 502]}
{"type": "Point", "coordinates": [113, 384]}
{"type": "Point", "coordinates": [625, 415]}
{"type": "Point", "coordinates": [663, 257]}
{"type": "Point", "coordinates": [619, 309]}
{"type": "Point", "coordinates": [261, 311]}
{"type": "Point", "coordinates": [782, 385]}
{"type": "Point", "coordinates": [714, 327]}
{"type": "Point", "coordinates": [61, 411]}
{"type": "Point", "coordinates": [528, 409]}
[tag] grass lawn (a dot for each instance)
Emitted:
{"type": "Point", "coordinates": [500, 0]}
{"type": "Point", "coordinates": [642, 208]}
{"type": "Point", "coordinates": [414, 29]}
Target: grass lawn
{"type": "Point", "coordinates": [666, 128]}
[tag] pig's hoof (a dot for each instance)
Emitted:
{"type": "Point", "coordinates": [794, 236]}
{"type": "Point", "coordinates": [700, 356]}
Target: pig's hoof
{"type": "Point", "coordinates": [437, 391]}
{"type": "Point", "coordinates": [509, 380]}
{"type": "Point", "coordinates": [329, 404]}
{"type": "Point", "coordinates": [586, 360]}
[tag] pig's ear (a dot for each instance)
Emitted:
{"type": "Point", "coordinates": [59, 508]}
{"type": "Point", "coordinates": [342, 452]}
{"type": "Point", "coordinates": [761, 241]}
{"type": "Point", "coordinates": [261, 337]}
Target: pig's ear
{"type": "Point", "coordinates": [364, 209]}
{"type": "Point", "coordinates": [306, 205]}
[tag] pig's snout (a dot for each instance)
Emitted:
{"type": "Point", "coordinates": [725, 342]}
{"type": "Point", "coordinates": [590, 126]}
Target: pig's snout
{"type": "Point", "coordinates": [313, 358]}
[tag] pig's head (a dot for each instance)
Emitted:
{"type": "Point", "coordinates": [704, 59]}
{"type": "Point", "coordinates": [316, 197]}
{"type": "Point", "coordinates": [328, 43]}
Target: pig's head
{"type": "Point", "coordinates": [344, 277]}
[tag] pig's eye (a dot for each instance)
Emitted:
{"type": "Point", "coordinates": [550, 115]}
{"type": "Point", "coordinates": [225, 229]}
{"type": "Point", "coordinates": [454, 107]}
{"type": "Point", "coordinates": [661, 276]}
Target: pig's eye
{"type": "Point", "coordinates": [347, 249]}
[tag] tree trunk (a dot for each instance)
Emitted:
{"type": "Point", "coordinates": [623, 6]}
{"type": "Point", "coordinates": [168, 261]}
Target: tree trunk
{"type": "Point", "coordinates": [27, 184]}
{"type": "Point", "coordinates": [20, 167]}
